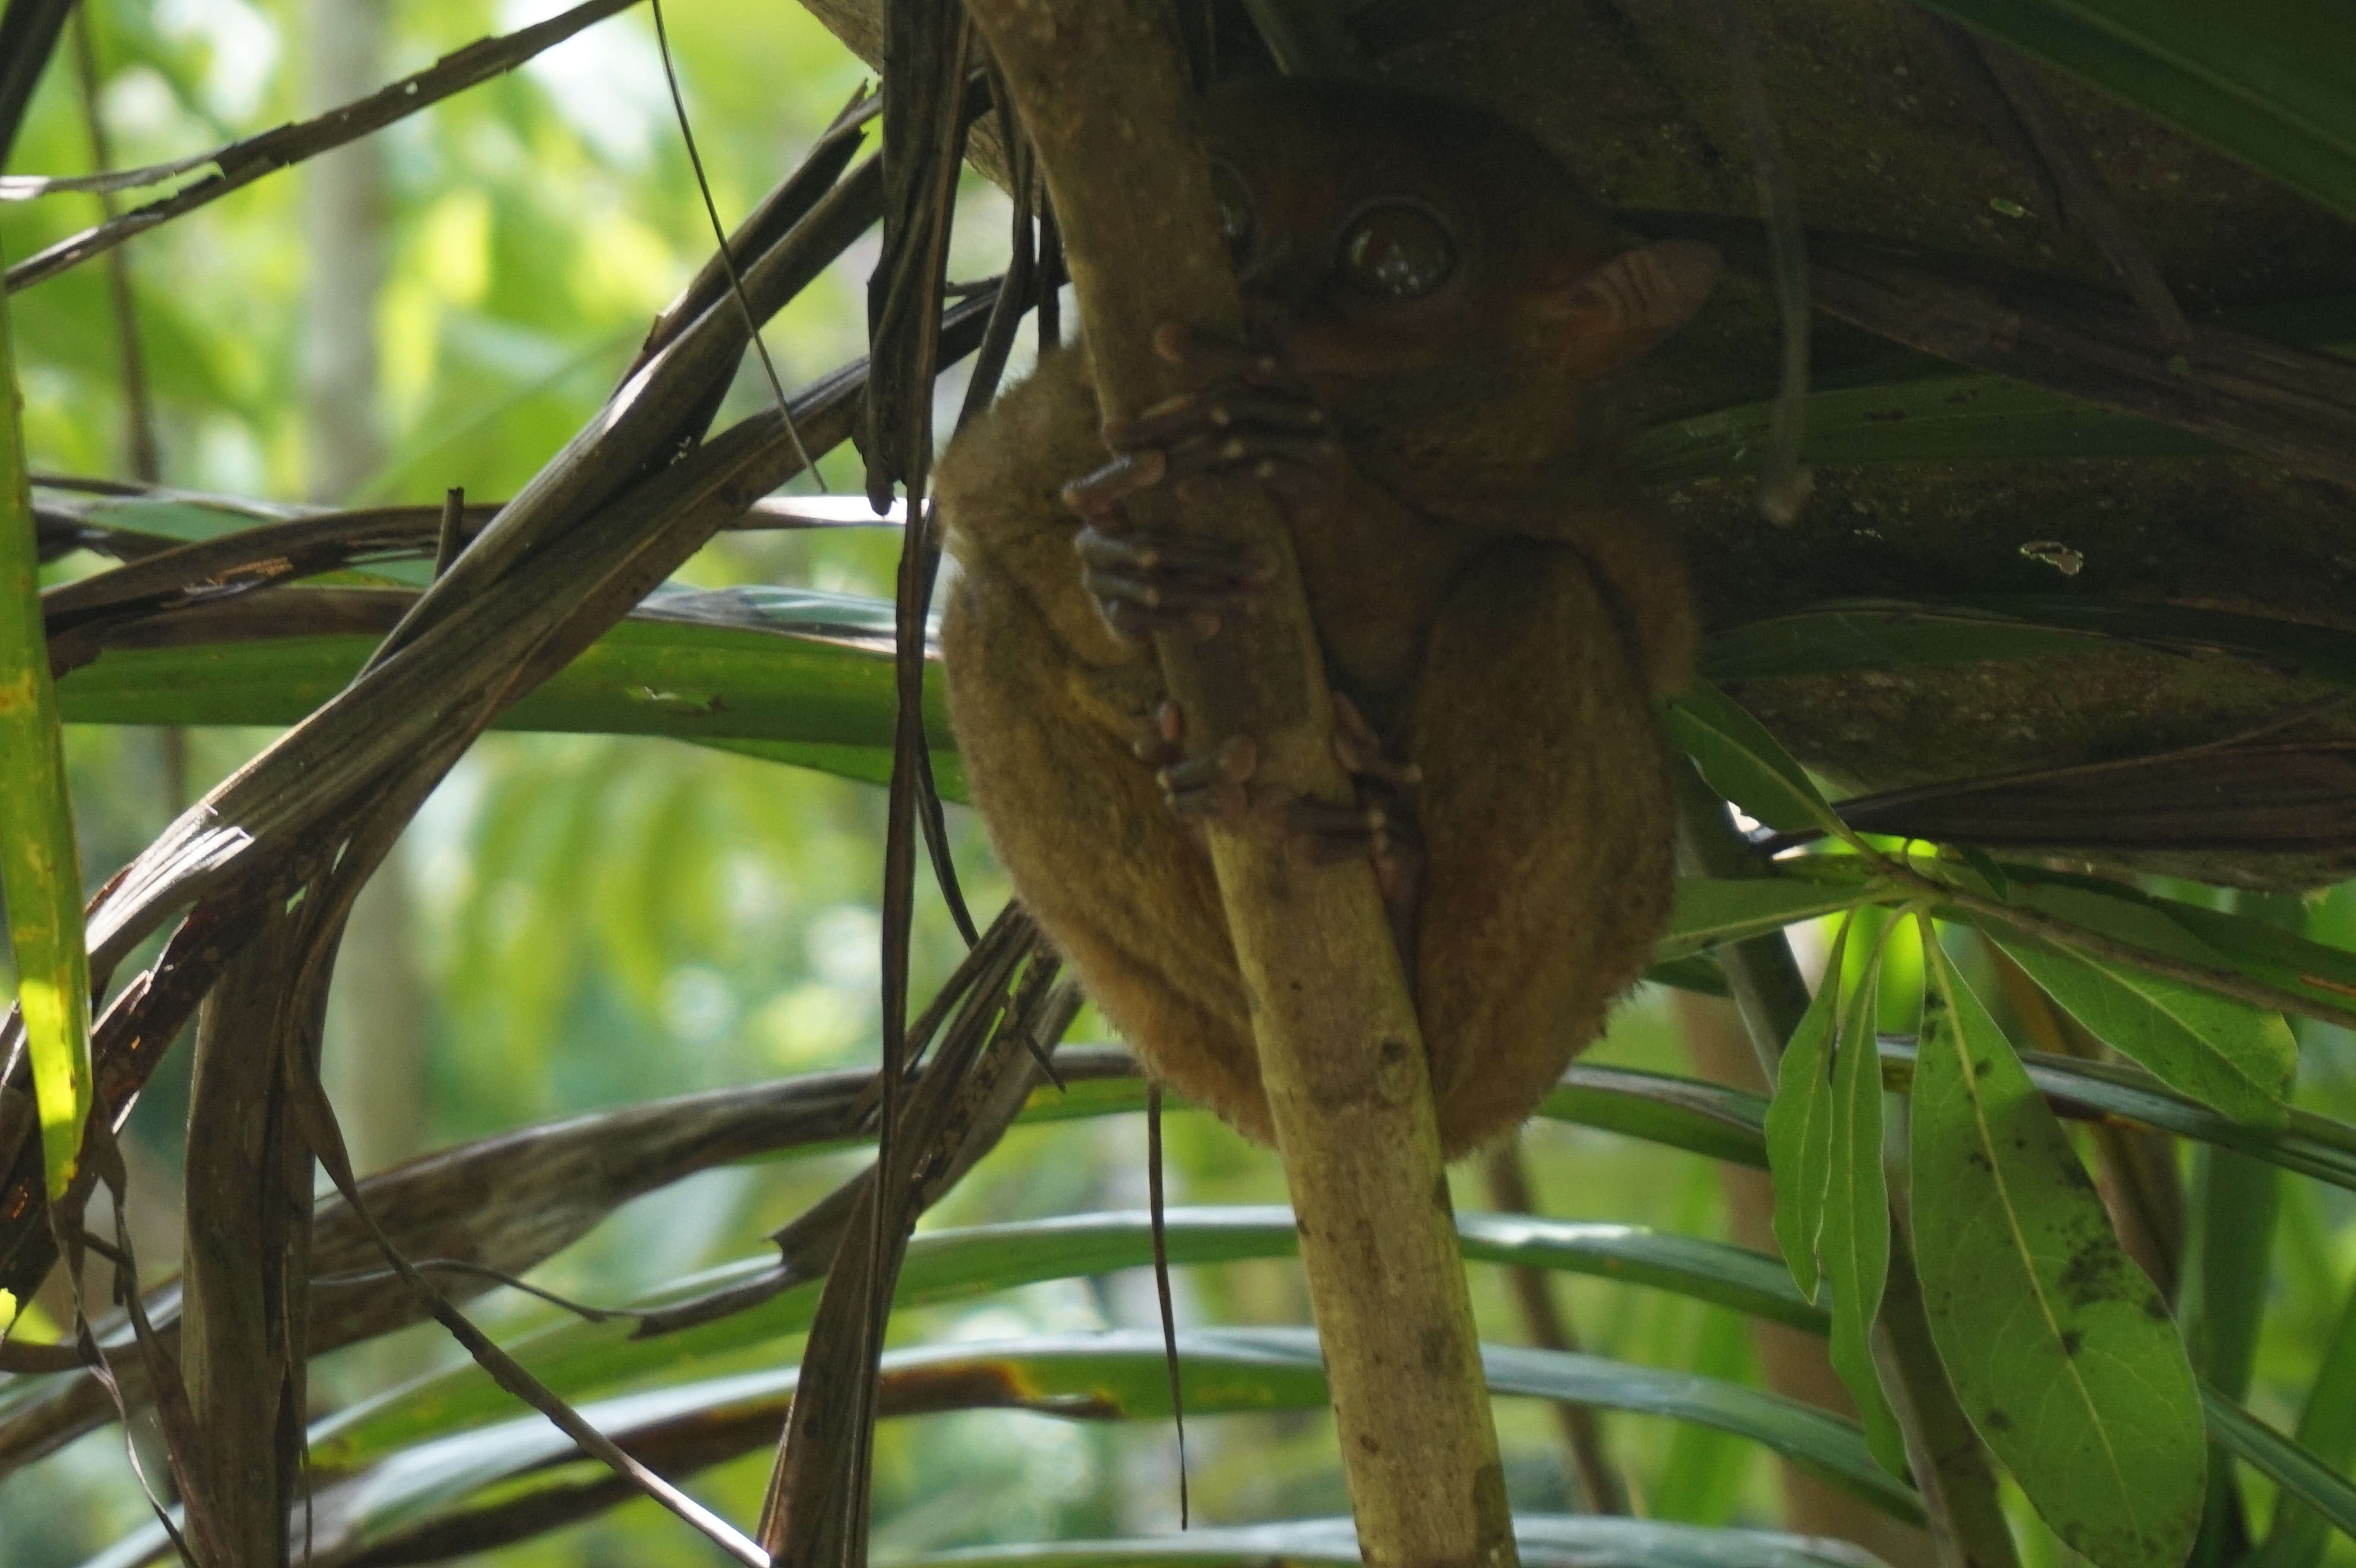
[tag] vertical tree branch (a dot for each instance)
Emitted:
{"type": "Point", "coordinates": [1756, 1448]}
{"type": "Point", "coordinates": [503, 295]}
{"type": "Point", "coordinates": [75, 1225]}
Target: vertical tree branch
{"type": "Point", "coordinates": [1101, 87]}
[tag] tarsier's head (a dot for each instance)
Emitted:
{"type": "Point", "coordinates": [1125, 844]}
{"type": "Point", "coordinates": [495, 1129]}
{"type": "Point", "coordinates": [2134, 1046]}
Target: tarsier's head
{"type": "Point", "coordinates": [1418, 257]}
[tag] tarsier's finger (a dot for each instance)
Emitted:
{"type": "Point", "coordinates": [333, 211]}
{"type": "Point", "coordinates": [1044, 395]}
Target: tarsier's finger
{"type": "Point", "coordinates": [1173, 557]}
{"type": "Point", "coordinates": [1228, 405]}
{"type": "Point", "coordinates": [1214, 357]}
{"type": "Point", "coordinates": [1097, 494]}
{"type": "Point", "coordinates": [1137, 610]}
{"type": "Point", "coordinates": [1163, 744]}
{"type": "Point", "coordinates": [1257, 452]}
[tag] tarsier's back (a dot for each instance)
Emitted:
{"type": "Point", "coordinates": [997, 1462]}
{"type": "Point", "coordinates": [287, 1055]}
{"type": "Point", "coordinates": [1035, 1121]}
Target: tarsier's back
{"type": "Point", "coordinates": [1492, 595]}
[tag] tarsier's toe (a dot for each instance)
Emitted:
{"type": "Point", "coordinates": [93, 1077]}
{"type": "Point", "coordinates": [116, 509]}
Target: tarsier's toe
{"type": "Point", "coordinates": [1216, 784]}
{"type": "Point", "coordinates": [1159, 581]}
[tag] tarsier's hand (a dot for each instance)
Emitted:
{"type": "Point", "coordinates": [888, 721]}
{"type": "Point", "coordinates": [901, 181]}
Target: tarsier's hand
{"type": "Point", "coordinates": [1255, 416]}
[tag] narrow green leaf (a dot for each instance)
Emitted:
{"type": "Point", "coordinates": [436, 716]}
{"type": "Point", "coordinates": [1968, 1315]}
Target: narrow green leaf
{"type": "Point", "coordinates": [2059, 1349]}
{"type": "Point", "coordinates": [2288, 1465]}
{"type": "Point", "coordinates": [1715, 910]}
{"type": "Point", "coordinates": [1799, 1125]}
{"type": "Point", "coordinates": [2311, 1144]}
{"type": "Point", "coordinates": [2327, 1436]}
{"type": "Point", "coordinates": [2267, 84]}
{"type": "Point", "coordinates": [1934, 419]}
{"type": "Point", "coordinates": [577, 1359]}
{"type": "Point", "coordinates": [40, 874]}
{"type": "Point", "coordinates": [2224, 1053]}
{"type": "Point", "coordinates": [1853, 1248]}
{"type": "Point", "coordinates": [1121, 1375]}
{"type": "Point", "coordinates": [1546, 1540]}
{"type": "Point", "coordinates": [1708, 1119]}
{"type": "Point", "coordinates": [1745, 763]}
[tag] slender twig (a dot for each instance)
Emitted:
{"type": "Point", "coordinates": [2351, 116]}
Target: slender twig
{"type": "Point", "coordinates": [242, 162]}
{"type": "Point", "coordinates": [139, 444]}
{"type": "Point", "coordinates": [719, 240]}
{"type": "Point", "coordinates": [451, 537]}
{"type": "Point", "coordinates": [1157, 1220]}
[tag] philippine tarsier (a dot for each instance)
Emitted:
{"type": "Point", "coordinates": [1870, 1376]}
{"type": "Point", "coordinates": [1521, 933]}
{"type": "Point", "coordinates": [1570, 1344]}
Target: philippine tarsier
{"type": "Point", "coordinates": [1433, 300]}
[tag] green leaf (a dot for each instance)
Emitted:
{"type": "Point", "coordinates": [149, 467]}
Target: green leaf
{"type": "Point", "coordinates": [1853, 1248]}
{"type": "Point", "coordinates": [2327, 1436]}
{"type": "Point", "coordinates": [2288, 1465]}
{"type": "Point", "coordinates": [1745, 763]}
{"type": "Point", "coordinates": [41, 872]}
{"type": "Point", "coordinates": [578, 1358]}
{"type": "Point", "coordinates": [1554, 1540]}
{"type": "Point", "coordinates": [1934, 419]}
{"type": "Point", "coordinates": [2310, 1145]}
{"type": "Point", "coordinates": [1121, 1375]}
{"type": "Point", "coordinates": [1715, 910]}
{"type": "Point", "coordinates": [1708, 1119]}
{"type": "Point", "coordinates": [2059, 1349]}
{"type": "Point", "coordinates": [2267, 84]}
{"type": "Point", "coordinates": [790, 675]}
{"type": "Point", "coordinates": [2223, 1053]}
{"type": "Point", "coordinates": [1947, 417]}
{"type": "Point", "coordinates": [1799, 1125]}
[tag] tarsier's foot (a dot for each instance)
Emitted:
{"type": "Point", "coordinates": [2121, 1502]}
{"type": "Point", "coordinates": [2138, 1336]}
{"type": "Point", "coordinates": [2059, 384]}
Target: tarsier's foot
{"type": "Point", "coordinates": [1378, 826]}
{"type": "Point", "coordinates": [1254, 417]}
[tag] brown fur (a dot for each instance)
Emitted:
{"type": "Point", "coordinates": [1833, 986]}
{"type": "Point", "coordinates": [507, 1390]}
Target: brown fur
{"type": "Point", "coordinates": [1497, 598]}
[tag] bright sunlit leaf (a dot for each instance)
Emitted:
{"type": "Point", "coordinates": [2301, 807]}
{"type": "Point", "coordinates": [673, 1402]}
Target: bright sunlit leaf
{"type": "Point", "coordinates": [39, 872]}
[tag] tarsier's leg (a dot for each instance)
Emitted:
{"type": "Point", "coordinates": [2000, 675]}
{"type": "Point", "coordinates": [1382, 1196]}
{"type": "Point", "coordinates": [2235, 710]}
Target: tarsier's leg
{"type": "Point", "coordinates": [1547, 824]}
{"type": "Point", "coordinates": [1114, 878]}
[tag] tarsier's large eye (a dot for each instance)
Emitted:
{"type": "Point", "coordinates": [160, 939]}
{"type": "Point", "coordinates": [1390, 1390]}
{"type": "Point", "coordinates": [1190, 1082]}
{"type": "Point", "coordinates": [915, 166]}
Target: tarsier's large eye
{"type": "Point", "coordinates": [1236, 223]}
{"type": "Point", "coordinates": [1396, 251]}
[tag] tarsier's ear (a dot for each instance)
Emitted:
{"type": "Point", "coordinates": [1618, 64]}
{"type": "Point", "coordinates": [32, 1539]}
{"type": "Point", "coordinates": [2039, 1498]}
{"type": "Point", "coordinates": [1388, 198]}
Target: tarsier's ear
{"type": "Point", "coordinates": [1622, 308]}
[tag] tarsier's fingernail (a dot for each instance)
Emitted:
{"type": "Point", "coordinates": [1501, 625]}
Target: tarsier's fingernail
{"type": "Point", "coordinates": [1169, 405]}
